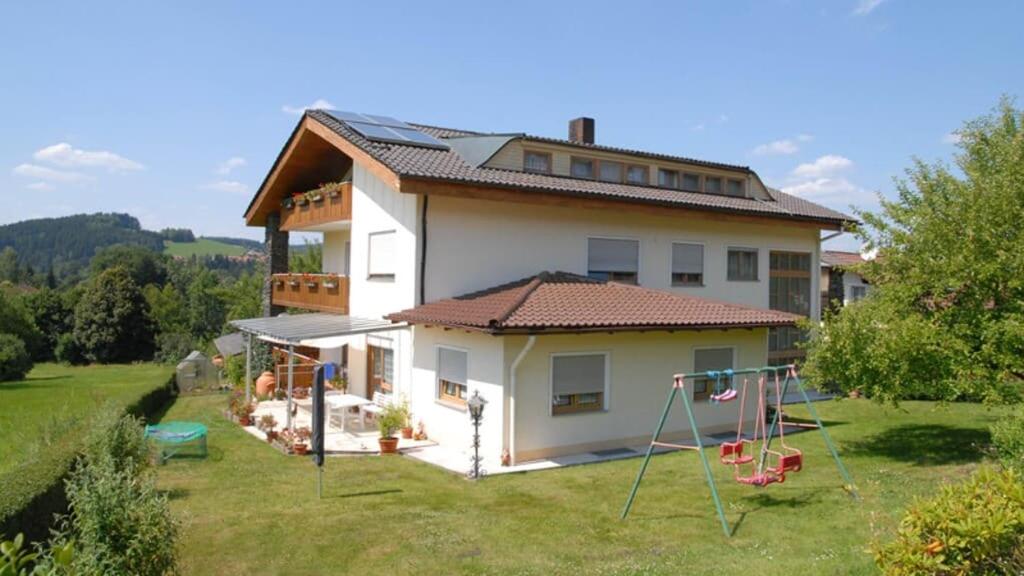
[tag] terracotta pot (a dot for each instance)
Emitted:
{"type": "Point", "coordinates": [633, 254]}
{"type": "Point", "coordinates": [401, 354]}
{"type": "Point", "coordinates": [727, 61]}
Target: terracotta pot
{"type": "Point", "coordinates": [265, 384]}
{"type": "Point", "coordinates": [271, 436]}
{"type": "Point", "coordinates": [245, 420]}
{"type": "Point", "coordinates": [388, 445]}
{"type": "Point", "coordinates": [300, 449]}
{"type": "Point", "coordinates": [407, 432]}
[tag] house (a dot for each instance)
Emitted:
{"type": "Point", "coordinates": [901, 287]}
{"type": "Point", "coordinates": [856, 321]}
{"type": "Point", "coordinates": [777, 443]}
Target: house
{"type": "Point", "coordinates": [562, 280]}
{"type": "Point", "coordinates": [839, 283]}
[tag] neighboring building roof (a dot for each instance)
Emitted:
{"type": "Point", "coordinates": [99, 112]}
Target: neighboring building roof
{"type": "Point", "coordinates": [563, 302]}
{"type": "Point", "coordinates": [230, 344]}
{"type": "Point", "coordinates": [417, 162]}
{"type": "Point", "coordinates": [836, 258]}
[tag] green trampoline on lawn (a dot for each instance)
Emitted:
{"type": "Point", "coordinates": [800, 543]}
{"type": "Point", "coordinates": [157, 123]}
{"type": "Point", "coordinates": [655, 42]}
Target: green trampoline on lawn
{"type": "Point", "coordinates": [174, 438]}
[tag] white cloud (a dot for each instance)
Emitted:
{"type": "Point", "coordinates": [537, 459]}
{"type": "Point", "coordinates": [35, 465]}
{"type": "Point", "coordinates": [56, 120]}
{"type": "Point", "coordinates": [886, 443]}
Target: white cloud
{"type": "Point", "coordinates": [865, 7]}
{"type": "Point", "coordinates": [67, 156]}
{"type": "Point", "coordinates": [697, 127]}
{"type": "Point", "coordinates": [804, 137]}
{"type": "Point", "coordinates": [823, 166]}
{"type": "Point", "coordinates": [777, 148]}
{"type": "Point", "coordinates": [229, 186]}
{"type": "Point", "coordinates": [318, 104]}
{"type": "Point", "coordinates": [230, 164]}
{"type": "Point", "coordinates": [951, 138]}
{"type": "Point", "coordinates": [41, 186]}
{"type": "Point", "coordinates": [49, 174]}
{"type": "Point", "coordinates": [723, 118]}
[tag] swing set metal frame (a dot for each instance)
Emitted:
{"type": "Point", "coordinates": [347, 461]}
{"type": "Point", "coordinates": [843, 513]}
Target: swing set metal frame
{"type": "Point", "coordinates": [679, 389]}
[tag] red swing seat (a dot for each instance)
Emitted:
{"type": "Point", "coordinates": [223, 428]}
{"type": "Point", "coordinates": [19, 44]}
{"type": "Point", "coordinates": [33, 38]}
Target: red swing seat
{"type": "Point", "coordinates": [790, 463]}
{"type": "Point", "coordinates": [731, 453]}
{"type": "Point", "coordinates": [761, 480]}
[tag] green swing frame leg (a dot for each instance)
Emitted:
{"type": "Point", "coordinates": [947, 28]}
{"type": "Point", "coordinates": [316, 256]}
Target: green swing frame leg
{"type": "Point", "coordinates": [821, 427]}
{"type": "Point", "coordinates": [700, 450]}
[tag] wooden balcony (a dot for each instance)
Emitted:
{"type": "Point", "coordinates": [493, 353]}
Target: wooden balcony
{"type": "Point", "coordinates": [304, 214]}
{"type": "Point", "coordinates": [321, 292]}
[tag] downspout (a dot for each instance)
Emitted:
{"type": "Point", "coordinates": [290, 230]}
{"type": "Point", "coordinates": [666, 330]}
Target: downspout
{"type": "Point", "coordinates": [512, 399]}
{"type": "Point", "coordinates": [423, 250]}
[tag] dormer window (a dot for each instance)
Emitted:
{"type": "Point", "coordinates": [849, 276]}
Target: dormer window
{"type": "Point", "coordinates": [691, 182]}
{"type": "Point", "coordinates": [611, 171]}
{"type": "Point", "coordinates": [581, 168]}
{"type": "Point", "coordinates": [735, 188]}
{"type": "Point", "coordinates": [713, 185]}
{"type": "Point", "coordinates": [668, 178]}
{"type": "Point", "coordinates": [537, 162]}
{"type": "Point", "coordinates": [637, 175]}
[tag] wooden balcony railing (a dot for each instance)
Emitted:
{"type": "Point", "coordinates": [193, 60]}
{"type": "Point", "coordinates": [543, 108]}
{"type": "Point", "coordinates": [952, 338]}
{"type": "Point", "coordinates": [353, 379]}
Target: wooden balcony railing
{"type": "Point", "coordinates": [321, 292]}
{"type": "Point", "coordinates": [301, 213]}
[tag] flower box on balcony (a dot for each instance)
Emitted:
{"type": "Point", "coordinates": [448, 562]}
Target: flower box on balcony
{"type": "Point", "coordinates": [311, 284]}
{"type": "Point", "coordinates": [293, 283]}
{"type": "Point", "coordinates": [330, 284]}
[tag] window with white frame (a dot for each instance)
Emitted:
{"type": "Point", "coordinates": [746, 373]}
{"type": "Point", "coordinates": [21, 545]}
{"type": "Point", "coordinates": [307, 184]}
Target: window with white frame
{"type": "Point", "coordinates": [858, 293]}
{"type": "Point", "coordinates": [668, 178]}
{"type": "Point", "coordinates": [581, 168]}
{"type": "Point", "coordinates": [578, 382]}
{"type": "Point", "coordinates": [613, 259]}
{"type": "Point", "coordinates": [538, 162]}
{"type": "Point", "coordinates": [713, 185]}
{"type": "Point", "coordinates": [742, 264]}
{"type": "Point", "coordinates": [381, 257]}
{"type": "Point", "coordinates": [637, 175]}
{"type": "Point", "coordinates": [707, 360]}
{"type": "Point", "coordinates": [735, 188]}
{"type": "Point", "coordinates": [452, 368]}
{"type": "Point", "coordinates": [691, 182]}
{"type": "Point", "coordinates": [610, 171]}
{"type": "Point", "coordinates": [687, 264]}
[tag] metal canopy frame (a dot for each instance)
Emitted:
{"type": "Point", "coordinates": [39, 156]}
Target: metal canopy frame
{"type": "Point", "coordinates": [317, 330]}
{"type": "Point", "coordinates": [679, 388]}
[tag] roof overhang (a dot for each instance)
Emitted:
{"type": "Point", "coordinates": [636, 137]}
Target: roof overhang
{"type": "Point", "coordinates": [317, 330]}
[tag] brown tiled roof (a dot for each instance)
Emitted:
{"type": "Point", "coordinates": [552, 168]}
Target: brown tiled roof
{"type": "Point", "coordinates": [417, 162]}
{"type": "Point", "coordinates": [838, 258]}
{"type": "Point", "coordinates": [559, 301]}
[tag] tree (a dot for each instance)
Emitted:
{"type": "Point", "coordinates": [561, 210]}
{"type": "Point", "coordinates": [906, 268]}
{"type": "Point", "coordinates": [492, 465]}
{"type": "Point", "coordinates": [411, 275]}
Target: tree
{"type": "Point", "coordinates": [112, 321]}
{"type": "Point", "coordinates": [142, 264]}
{"type": "Point", "coordinates": [15, 361]}
{"type": "Point", "coordinates": [16, 319]}
{"type": "Point", "coordinates": [245, 297]}
{"type": "Point", "coordinates": [947, 319]}
{"type": "Point", "coordinates": [9, 268]}
{"type": "Point", "coordinates": [206, 307]}
{"type": "Point", "coordinates": [167, 307]}
{"type": "Point", "coordinates": [52, 315]}
{"type": "Point", "coordinates": [308, 260]}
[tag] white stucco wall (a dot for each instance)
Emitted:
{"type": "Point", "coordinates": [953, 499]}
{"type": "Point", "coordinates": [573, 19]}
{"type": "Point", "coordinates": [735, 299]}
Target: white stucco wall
{"type": "Point", "coordinates": [450, 425]}
{"type": "Point", "coordinates": [851, 279]}
{"type": "Point", "coordinates": [641, 370]}
{"type": "Point", "coordinates": [476, 244]}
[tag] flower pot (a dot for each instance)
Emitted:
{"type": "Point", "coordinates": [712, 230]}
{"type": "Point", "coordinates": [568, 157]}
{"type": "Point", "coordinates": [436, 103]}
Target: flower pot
{"type": "Point", "coordinates": [245, 420]}
{"type": "Point", "coordinates": [271, 435]}
{"type": "Point", "coordinates": [388, 445]}
{"type": "Point", "coordinates": [407, 432]}
{"type": "Point", "coordinates": [300, 449]}
{"type": "Point", "coordinates": [265, 384]}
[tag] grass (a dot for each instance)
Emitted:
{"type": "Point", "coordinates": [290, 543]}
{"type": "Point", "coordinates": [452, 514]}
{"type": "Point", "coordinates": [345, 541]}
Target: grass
{"type": "Point", "coordinates": [202, 247]}
{"type": "Point", "coordinates": [248, 509]}
{"type": "Point", "coordinates": [54, 398]}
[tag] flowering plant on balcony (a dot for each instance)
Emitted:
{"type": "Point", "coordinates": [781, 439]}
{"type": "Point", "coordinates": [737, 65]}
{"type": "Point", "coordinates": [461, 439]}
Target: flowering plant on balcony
{"type": "Point", "coordinates": [330, 282]}
{"type": "Point", "coordinates": [310, 280]}
{"type": "Point", "coordinates": [300, 198]}
{"type": "Point", "coordinates": [288, 203]}
{"type": "Point", "coordinates": [293, 280]}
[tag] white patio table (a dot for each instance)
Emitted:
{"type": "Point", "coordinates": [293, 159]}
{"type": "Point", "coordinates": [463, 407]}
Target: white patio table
{"type": "Point", "coordinates": [344, 402]}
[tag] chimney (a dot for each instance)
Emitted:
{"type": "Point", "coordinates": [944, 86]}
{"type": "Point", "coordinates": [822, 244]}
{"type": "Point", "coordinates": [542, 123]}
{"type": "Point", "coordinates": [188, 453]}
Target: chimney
{"type": "Point", "coordinates": [581, 130]}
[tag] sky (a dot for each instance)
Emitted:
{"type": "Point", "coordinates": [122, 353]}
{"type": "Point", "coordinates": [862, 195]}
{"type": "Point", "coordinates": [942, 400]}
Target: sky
{"type": "Point", "coordinates": [175, 111]}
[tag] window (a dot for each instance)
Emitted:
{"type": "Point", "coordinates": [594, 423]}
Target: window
{"type": "Point", "coordinates": [687, 264]}
{"type": "Point", "coordinates": [713, 185]}
{"type": "Point", "coordinates": [789, 290]}
{"type": "Point", "coordinates": [637, 175]}
{"type": "Point", "coordinates": [451, 375]}
{"type": "Point", "coordinates": [742, 264]}
{"type": "Point", "coordinates": [581, 168]}
{"type": "Point", "coordinates": [691, 182]}
{"type": "Point", "coordinates": [539, 162]}
{"type": "Point", "coordinates": [382, 375]}
{"type": "Point", "coordinates": [735, 188]}
{"type": "Point", "coordinates": [858, 293]}
{"type": "Point", "coordinates": [381, 260]}
{"type": "Point", "coordinates": [705, 360]}
{"type": "Point", "coordinates": [578, 382]}
{"type": "Point", "coordinates": [611, 171]}
{"type": "Point", "coordinates": [610, 259]}
{"type": "Point", "coordinates": [668, 178]}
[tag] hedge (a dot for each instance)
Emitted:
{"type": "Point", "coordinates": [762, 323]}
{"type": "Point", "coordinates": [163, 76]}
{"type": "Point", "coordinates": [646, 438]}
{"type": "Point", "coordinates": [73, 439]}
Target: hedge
{"type": "Point", "coordinates": [33, 493]}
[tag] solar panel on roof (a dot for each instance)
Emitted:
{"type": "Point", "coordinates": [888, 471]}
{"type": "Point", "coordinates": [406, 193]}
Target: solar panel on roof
{"type": "Point", "coordinates": [386, 129]}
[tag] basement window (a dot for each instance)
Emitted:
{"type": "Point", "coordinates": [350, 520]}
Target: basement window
{"type": "Point", "coordinates": [578, 382]}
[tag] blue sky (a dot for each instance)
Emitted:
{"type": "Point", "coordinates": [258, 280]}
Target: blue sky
{"type": "Point", "coordinates": [174, 111]}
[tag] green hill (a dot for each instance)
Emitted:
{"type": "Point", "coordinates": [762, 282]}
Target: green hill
{"type": "Point", "coordinates": [202, 247]}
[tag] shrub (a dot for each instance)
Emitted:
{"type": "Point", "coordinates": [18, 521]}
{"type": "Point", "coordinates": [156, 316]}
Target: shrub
{"type": "Point", "coordinates": [15, 361]}
{"type": "Point", "coordinates": [119, 522]}
{"type": "Point", "coordinates": [69, 351]}
{"type": "Point", "coordinates": [173, 347]}
{"type": "Point", "coordinates": [15, 559]}
{"type": "Point", "coordinates": [974, 527]}
{"type": "Point", "coordinates": [1008, 441]}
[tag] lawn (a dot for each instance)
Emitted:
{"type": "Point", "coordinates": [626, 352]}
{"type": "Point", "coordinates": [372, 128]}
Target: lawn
{"type": "Point", "coordinates": [248, 509]}
{"type": "Point", "coordinates": [53, 397]}
{"type": "Point", "coordinates": [202, 247]}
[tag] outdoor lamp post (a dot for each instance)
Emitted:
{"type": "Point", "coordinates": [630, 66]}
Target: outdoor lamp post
{"type": "Point", "coordinates": [476, 412]}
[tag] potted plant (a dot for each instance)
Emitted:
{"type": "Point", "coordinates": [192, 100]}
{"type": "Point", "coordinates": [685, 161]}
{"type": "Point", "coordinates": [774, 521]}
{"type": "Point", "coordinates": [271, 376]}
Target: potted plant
{"type": "Point", "coordinates": [287, 203]}
{"type": "Point", "coordinates": [301, 440]}
{"type": "Point", "coordinates": [421, 431]}
{"type": "Point", "coordinates": [315, 195]}
{"type": "Point", "coordinates": [403, 409]}
{"type": "Point", "coordinates": [293, 281]}
{"type": "Point", "coordinates": [389, 421]}
{"type": "Point", "coordinates": [310, 280]}
{"type": "Point", "coordinates": [330, 282]}
{"type": "Point", "coordinates": [265, 384]}
{"type": "Point", "coordinates": [267, 424]}
{"type": "Point", "coordinates": [339, 383]}
{"type": "Point", "coordinates": [334, 189]}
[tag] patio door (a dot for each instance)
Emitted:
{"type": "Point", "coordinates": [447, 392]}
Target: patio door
{"type": "Point", "coordinates": [380, 371]}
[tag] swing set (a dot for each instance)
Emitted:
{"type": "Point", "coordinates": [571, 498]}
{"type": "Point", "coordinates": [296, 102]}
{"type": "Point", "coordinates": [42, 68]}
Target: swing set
{"type": "Point", "coordinates": [755, 462]}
